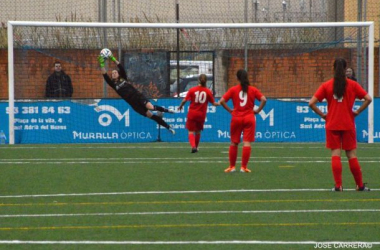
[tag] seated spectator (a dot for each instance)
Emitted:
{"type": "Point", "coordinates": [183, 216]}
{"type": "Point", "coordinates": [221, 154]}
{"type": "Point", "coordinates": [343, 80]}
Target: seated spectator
{"type": "Point", "coordinates": [58, 84]}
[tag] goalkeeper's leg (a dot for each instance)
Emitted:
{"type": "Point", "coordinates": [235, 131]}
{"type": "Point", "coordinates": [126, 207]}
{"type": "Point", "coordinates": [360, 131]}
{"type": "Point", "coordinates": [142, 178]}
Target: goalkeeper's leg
{"type": "Point", "coordinates": [150, 106]}
{"type": "Point", "coordinates": [160, 121]}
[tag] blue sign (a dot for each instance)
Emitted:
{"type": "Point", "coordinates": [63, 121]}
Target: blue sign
{"type": "Point", "coordinates": [114, 121]}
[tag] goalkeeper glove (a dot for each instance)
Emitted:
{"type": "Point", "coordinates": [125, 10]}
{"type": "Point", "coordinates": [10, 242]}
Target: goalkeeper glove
{"type": "Point", "coordinates": [101, 61]}
{"type": "Point", "coordinates": [112, 58]}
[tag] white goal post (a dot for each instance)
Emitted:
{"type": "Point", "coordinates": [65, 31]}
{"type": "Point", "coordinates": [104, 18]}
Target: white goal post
{"type": "Point", "coordinates": [12, 24]}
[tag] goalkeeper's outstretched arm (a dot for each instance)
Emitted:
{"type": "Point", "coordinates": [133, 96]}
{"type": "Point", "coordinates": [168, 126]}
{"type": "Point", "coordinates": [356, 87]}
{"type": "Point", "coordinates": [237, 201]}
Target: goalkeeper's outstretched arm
{"type": "Point", "coordinates": [114, 60]}
{"type": "Point", "coordinates": [122, 72]}
{"type": "Point", "coordinates": [104, 71]}
{"type": "Point", "coordinates": [102, 65]}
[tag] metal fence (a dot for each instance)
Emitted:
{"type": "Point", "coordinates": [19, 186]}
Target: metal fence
{"type": "Point", "coordinates": [190, 11]}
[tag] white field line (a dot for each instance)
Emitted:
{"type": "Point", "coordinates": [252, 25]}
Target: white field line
{"type": "Point", "coordinates": [173, 158]}
{"type": "Point", "coordinates": [173, 146]}
{"type": "Point", "coordinates": [178, 192]}
{"type": "Point", "coordinates": [55, 162]}
{"type": "Point", "coordinates": [151, 146]}
{"type": "Point", "coordinates": [193, 212]}
{"type": "Point", "coordinates": [148, 147]}
{"type": "Point", "coordinates": [339, 244]}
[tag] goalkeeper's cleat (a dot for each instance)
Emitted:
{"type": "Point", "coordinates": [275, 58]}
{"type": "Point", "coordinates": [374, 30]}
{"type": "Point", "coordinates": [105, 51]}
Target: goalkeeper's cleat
{"type": "Point", "coordinates": [245, 170]}
{"type": "Point", "coordinates": [230, 169]}
{"type": "Point", "coordinates": [194, 150]}
{"type": "Point", "coordinates": [363, 188]}
{"type": "Point", "coordinates": [171, 111]}
{"type": "Point", "coordinates": [172, 131]}
{"type": "Point", "coordinates": [337, 189]}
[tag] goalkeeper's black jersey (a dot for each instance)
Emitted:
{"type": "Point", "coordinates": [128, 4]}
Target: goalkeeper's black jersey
{"type": "Point", "coordinates": [123, 87]}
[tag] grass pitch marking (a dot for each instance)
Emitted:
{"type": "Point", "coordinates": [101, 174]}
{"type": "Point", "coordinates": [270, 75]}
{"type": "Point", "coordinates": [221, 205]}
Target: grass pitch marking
{"type": "Point", "coordinates": [179, 192]}
{"type": "Point", "coordinates": [221, 225]}
{"type": "Point", "coordinates": [321, 158]}
{"type": "Point", "coordinates": [198, 202]}
{"type": "Point", "coordinates": [171, 160]}
{"type": "Point", "coordinates": [222, 145]}
{"type": "Point", "coordinates": [193, 212]}
{"type": "Point", "coordinates": [341, 244]}
{"type": "Point", "coordinates": [194, 161]}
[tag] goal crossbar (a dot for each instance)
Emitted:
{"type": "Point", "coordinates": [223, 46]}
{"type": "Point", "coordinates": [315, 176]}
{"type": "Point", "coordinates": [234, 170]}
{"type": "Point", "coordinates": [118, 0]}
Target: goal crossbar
{"type": "Point", "coordinates": [192, 25]}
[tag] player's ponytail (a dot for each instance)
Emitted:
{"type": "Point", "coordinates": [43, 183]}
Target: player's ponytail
{"type": "Point", "coordinates": [340, 66]}
{"type": "Point", "coordinates": [242, 76]}
{"type": "Point", "coordinates": [202, 80]}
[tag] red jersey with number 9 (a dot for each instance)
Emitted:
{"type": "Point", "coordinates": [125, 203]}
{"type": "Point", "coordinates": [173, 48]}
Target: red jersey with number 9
{"type": "Point", "coordinates": [340, 115]}
{"type": "Point", "coordinates": [243, 102]}
{"type": "Point", "coordinates": [199, 98]}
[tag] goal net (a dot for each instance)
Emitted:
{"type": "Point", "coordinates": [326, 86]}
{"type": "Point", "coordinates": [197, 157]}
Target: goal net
{"type": "Point", "coordinates": [286, 62]}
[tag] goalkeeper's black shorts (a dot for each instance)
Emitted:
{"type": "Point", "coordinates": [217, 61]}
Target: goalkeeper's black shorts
{"type": "Point", "coordinates": [139, 104]}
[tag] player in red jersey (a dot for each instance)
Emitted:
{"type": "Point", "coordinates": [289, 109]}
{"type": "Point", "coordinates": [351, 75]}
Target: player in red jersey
{"type": "Point", "coordinates": [199, 96]}
{"type": "Point", "coordinates": [243, 118]}
{"type": "Point", "coordinates": [340, 93]}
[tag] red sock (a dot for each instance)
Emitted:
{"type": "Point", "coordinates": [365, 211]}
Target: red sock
{"type": "Point", "coordinates": [336, 166]}
{"type": "Point", "coordinates": [245, 157]}
{"type": "Point", "coordinates": [356, 171]}
{"type": "Point", "coordinates": [197, 139]}
{"type": "Point", "coordinates": [192, 140]}
{"type": "Point", "coordinates": [233, 155]}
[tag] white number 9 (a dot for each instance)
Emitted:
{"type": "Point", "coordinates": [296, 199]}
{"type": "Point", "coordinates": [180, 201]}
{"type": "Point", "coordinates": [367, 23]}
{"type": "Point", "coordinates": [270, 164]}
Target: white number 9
{"type": "Point", "coordinates": [243, 97]}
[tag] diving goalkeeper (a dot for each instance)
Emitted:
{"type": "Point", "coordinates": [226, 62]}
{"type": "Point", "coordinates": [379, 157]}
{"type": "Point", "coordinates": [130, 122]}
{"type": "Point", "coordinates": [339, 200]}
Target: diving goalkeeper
{"type": "Point", "coordinates": [132, 96]}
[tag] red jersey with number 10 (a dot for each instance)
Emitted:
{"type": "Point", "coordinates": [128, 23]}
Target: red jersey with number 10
{"type": "Point", "coordinates": [340, 115]}
{"type": "Point", "coordinates": [243, 102]}
{"type": "Point", "coordinates": [199, 97]}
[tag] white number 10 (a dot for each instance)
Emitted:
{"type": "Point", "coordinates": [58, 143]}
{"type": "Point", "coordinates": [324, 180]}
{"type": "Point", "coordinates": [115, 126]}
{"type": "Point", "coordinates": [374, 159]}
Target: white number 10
{"type": "Point", "coordinates": [243, 97]}
{"type": "Point", "coordinates": [200, 97]}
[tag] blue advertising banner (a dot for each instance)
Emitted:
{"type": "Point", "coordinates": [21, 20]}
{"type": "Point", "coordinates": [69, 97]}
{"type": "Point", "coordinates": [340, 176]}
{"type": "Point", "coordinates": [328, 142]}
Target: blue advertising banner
{"type": "Point", "coordinates": [114, 121]}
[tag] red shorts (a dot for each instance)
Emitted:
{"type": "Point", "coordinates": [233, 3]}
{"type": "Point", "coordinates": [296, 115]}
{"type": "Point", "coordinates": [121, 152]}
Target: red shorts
{"type": "Point", "coordinates": [246, 125]}
{"type": "Point", "coordinates": [344, 139]}
{"type": "Point", "coordinates": [195, 121]}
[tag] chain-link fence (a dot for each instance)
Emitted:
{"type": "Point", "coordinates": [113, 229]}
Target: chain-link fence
{"type": "Point", "coordinates": [189, 11]}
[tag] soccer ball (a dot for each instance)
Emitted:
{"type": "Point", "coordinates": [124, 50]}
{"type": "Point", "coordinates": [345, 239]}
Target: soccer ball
{"type": "Point", "coordinates": [105, 53]}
